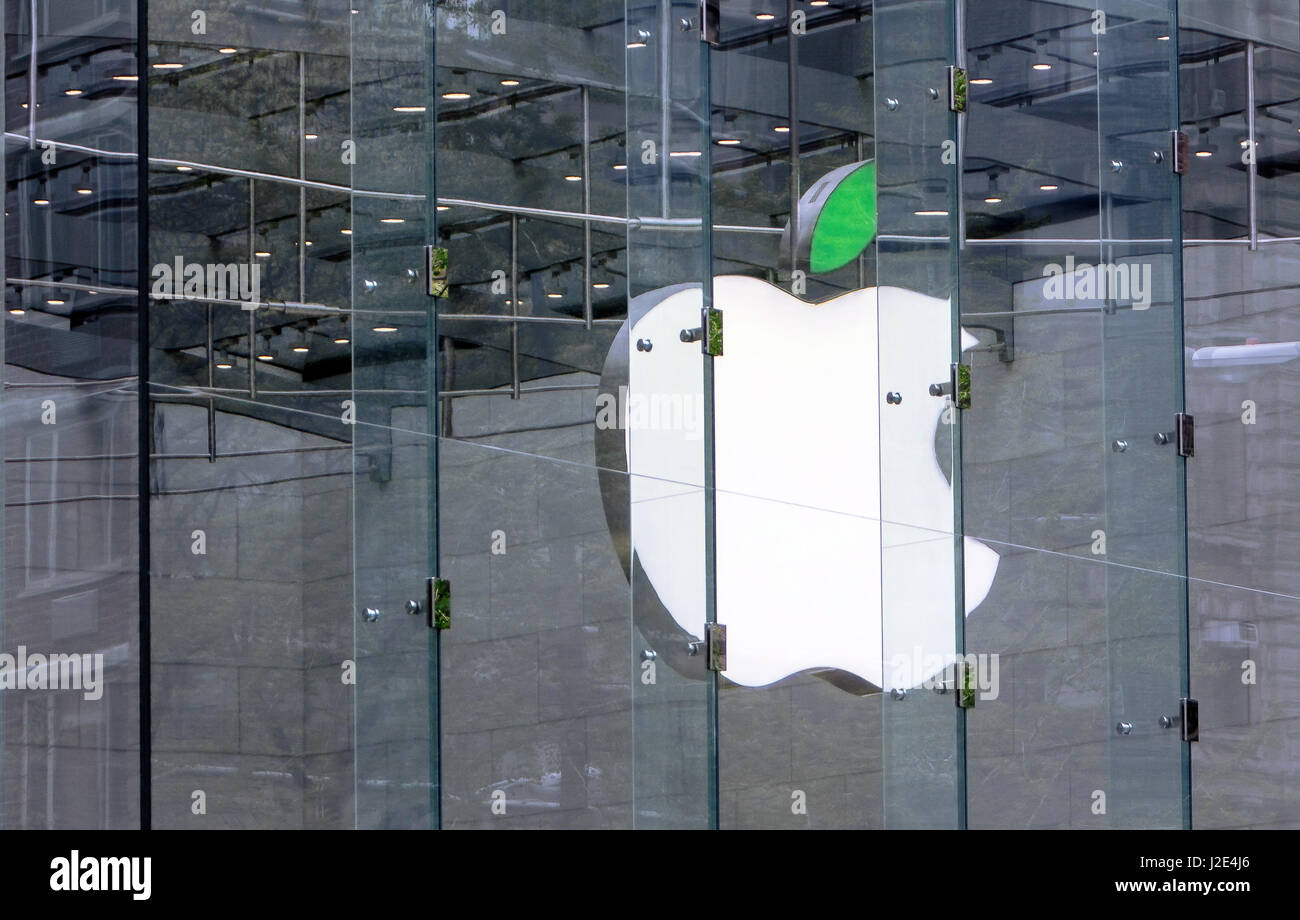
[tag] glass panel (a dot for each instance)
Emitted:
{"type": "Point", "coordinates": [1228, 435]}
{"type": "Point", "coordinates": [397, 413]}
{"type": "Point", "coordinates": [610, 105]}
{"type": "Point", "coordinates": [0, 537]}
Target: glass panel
{"type": "Point", "coordinates": [70, 732]}
{"type": "Point", "coordinates": [920, 626]}
{"type": "Point", "coordinates": [798, 506]}
{"type": "Point", "coordinates": [1142, 380]}
{"type": "Point", "coordinates": [392, 335]}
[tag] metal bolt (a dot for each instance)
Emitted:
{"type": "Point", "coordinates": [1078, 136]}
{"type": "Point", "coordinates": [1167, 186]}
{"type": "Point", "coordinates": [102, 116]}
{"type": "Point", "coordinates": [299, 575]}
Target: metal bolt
{"type": "Point", "coordinates": [644, 344]}
{"type": "Point", "coordinates": [894, 399]}
{"type": "Point", "coordinates": [1124, 728]}
{"type": "Point", "coordinates": [414, 607]}
{"type": "Point", "coordinates": [892, 104]}
{"type": "Point", "coordinates": [370, 614]}
{"type": "Point", "coordinates": [1116, 165]}
{"type": "Point", "coordinates": [369, 286]}
{"type": "Point", "coordinates": [694, 648]}
{"type": "Point", "coordinates": [1119, 445]}
{"type": "Point", "coordinates": [649, 654]}
{"type": "Point", "coordinates": [933, 93]}
{"type": "Point", "coordinates": [412, 276]}
{"type": "Point", "coordinates": [1157, 156]}
{"type": "Point", "coordinates": [898, 693]}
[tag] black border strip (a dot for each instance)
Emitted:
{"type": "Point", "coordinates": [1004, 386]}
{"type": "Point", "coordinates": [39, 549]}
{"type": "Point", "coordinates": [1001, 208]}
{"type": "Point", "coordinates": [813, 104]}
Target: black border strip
{"type": "Point", "coordinates": [142, 409]}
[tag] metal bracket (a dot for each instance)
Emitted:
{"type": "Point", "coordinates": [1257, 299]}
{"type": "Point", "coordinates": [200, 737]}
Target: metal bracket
{"type": "Point", "coordinates": [438, 603]}
{"type": "Point", "coordinates": [716, 634]}
{"type": "Point", "coordinates": [435, 271]}
{"type": "Point", "coordinates": [1185, 426]}
{"type": "Point", "coordinates": [956, 89]}
{"type": "Point", "coordinates": [958, 386]}
{"type": "Point", "coordinates": [710, 21]}
{"type": "Point", "coordinates": [1179, 160]}
{"type": "Point", "coordinates": [1189, 717]}
{"type": "Point", "coordinates": [711, 322]}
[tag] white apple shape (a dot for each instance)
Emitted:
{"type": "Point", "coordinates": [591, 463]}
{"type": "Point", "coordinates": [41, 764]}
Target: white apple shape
{"type": "Point", "coordinates": [818, 528]}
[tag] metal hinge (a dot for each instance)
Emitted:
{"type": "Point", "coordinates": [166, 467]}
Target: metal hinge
{"type": "Point", "coordinates": [1179, 160]}
{"type": "Point", "coordinates": [710, 21]}
{"type": "Point", "coordinates": [435, 270]}
{"type": "Point", "coordinates": [1189, 717]}
{"type": "Point", "coordinates": [965, 683]}
{"type": "Point", "coordinates": [438, 603]}
{"type": "Point", "coordinates": [1185, 426]}
{"type": "Point", "coordinates": [957, 89]}
{"type": "Point", "coordinates": [716, 634]}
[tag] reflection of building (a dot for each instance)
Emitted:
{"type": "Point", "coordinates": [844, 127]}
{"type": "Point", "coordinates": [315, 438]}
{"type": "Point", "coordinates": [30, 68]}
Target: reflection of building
{"type": "Point", "coordinates": [326, 453]}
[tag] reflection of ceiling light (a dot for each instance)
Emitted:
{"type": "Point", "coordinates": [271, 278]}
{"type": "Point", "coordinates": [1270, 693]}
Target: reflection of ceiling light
{"type": "Point", "coordinates": [262, 254]}
{"type": "Point", "coordinates": [41, 202]}
{"type": "Point", "coordinates": [620, 166]}
{"type": "Point", "coordinates": [227, 50]}
{"type": "Point", "coordinates": [346, 232]}
{"type": "Point", "coordinates": [407, 109]}
{"type": "Point", "coordinates": [685, 153]}
{"type": "Point", "coordinates": [782, 129]}
{"type": "Point", "coordinates": [126, 77]}
{"type": "Point", "coordinates": [392, 220]}
{"type": "Point", "coordinates": [224, 364]}
{"type": "Point", "coordinates": [73, 92]}
{"type": "Point", "coordinates": [728, 141]}
{"type": "Point", "coordinates": [55, 302]}
{"type": "Point", "coordinates": [385, 329]}
{"type": "Point", "coordinates": [1042, 67]}
{"type": "Point", "coordinates": [819, 2]}
{"type": "Point", "coordinates": [553, 295]}
{"type": "Point", "coordinates": [16, 311]}
{"type": "Point", "coordinates": [573, 178]}
{"type": "Point", "coordinates": [266, 357]}
{"type": "Point", "coordinates": [509, 82]}
{"type": "Point", "coordinates": [930, 213]}
{"type": "Point", "coordinates": [168, 65]}
{"type": "Point", "coordinates": [600, 285]}
{"type": "Point", "coordinates": [85, 190]}
{"type": "Point", "coordinates": [301, 349]}
{"type": "Point", "coordinates": [1162, 38]}
{"type": "Point", "coordinates": [185, 169]}
{"type": "Point", "coordinates": [444, 207]}
{"type": "Point", "coordinates": [1205, 154]}
{"type": "Point", "coordinates": [310, 137]}
{"type": "Point", "coordinates": [993, 200]}
{"type": "Point", "coordinates": [308, 243]}
{"type": "Point", "coordinates": [981, 81]}
{"type": "Point", "coordinates": [342, 340]}
{"type": "Point", "coordinates": [1048, 188]}
{"type": "Point", "coordinates": [456, 96]}
{"type": "Point", "coordinates": [764, 17]}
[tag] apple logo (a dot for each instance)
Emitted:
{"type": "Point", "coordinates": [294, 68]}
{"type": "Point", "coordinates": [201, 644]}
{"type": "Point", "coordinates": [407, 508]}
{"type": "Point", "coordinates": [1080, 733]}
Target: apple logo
{"type": "Point", "coordinates": [831, 505]}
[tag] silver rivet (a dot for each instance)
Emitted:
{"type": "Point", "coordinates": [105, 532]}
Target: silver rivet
{"type": "Point", "coordinates": [369, 286]}
{"type": "Point", "coordinates": [1119, 445]}
{"type": "Point", "coordinates": [644, 345]}
{"type": "Point", "coordinates": [1123, 728]}
{"type": "Point", "coordinates": [370, 614]}
{"type": "Point", "coordinates": [414, 607]}
{"type": "Point", "coordinates": [1116, 165]}
{"type": "Point", "coordinates": [892, 104]}
{"type": "Point", "coordinates": [412, 276]}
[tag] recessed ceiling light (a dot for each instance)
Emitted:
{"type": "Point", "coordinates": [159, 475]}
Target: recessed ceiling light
{"type": "Point", "coordinates": [185, 169]}
{"type": "Point", "coordinates": [227, 50]}
{"type": "Point", "coordinates": [41, 202]}
{"type": "Point", "coordinates": [265, 357]}
{"type": "Point", "coordinates": [444, 207]}
{"type": "Point", "coordinates": [342, 340]}
{"type": "Point", "coordinates": [168, 65]}
{"type": "Point", "coordinates": [407, 109]}
{"type": "Point", "coordinates": [1042, 67]}
{"type": "Point", "coordinates": [782, 129]}
{"type": "Point", "coordinates": [1205, 153]}
{"type": "Point", "coordinates": [819, 3]}
{"type": "Point", "coordinates": [764, 17]}
{"type": "Point", "coordinates": [553, 295]}
{"type": "Point", "coordinates": [262, 254]}
{"type": "Point", "coordinates": [456, 95]}
{"type": "Point", "coordinates": [308, 243]}
{"type": "Point", "coordinates": [384, 329]}
{"type": "Point", "coordinates": [620, 166]}
{"type": "Point", "coordinates": [573, 178]}
{"type": "Point", "coordinates": [16, 311]}
{"type": "Point", "coordinates": [85, 190]}
{"type": "Point", "coordinates": [600, 285]}
{"type": "Point", "coordinates": [509, 82]}
{"type": "Point", "coordinates": [1048, 188]}
{"type": "Point", "coordinates": [310, 137]}
{"type": "Point", "coordinates": [931, 213]}
{"type": "Point", "coordinates": [55, 301]}
{"type": "Point", "coordinates": [346, 232]}
{"type": "Point", "coordinates": [993, 200]}
{"type": "Point", "coordinates": [981, 81]}
{"type": "Point", "coordinates": [126, 77]}
{"type": "Point", "coordinates": [73, 92]}
{"type": "Point", "coordinates": [727, 141]}
{"type": "Point", "coordinates": [392, 220]}
{"type": "Point", "coordinates": [636, 44]}
{"type": "Point", "coordinates": [224, 365]}
{"type": "Point", "coordinates": [685, 153]}
{"type": "Point", "coordinates": [301, 349]}
{"type": "Point", "coordinates": [1162, 38]}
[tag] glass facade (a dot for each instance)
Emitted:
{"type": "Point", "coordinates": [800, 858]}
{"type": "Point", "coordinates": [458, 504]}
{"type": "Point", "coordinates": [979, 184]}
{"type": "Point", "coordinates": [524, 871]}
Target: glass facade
{"type": "Point", "coordinates": [650, 414]}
